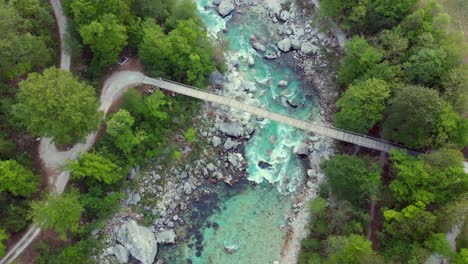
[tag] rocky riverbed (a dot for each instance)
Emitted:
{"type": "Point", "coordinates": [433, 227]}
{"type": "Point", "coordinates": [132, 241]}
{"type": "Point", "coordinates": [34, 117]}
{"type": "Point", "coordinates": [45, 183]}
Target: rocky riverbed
{"type": "Point", "coordinates": [244, 197]}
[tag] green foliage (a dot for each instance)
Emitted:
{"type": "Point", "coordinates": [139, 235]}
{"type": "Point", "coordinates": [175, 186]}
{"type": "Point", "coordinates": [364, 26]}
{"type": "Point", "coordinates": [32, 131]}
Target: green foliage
{"type": "Point", "coordinates": [157, 9]}
{"type": "Point", "coordinates": [455, 89]}
{"type": "Point", "coordinates": [419, 118]}
{"type": "Point", "coordinates": [78, 253]}
{"type": "Point", "coordinates": [353, 179]}
{"type": "Point", "coordinates": [107, 38]}
{"type": "Point", "coordinates": [438, 177]}
{"type": "Point", "coordinates": [56, 104]}
{"type": "Point", "coordinates": [360, 58]}
{"type": "Point", "coordinates": [14, 213]}
{"type": "Point", "coordinates": [412, 224]}
{"type": "Point", "coordinates": [3, 236]}
{"type": "Point", "coordinates": [395, 44]}
{"type": "Point", "coordinates": [119, 127]}
{"type": "Point", "coordinates": [155, 104]}
{"type": "Point", "coordinates": [461, 257]}
{"type": "Point", "coordinates": [183, 10]}
{"type": "Point", "coordinates": [426, 66]}
{"type": "Point", "coordinates": [351, 249]}
{"type": "Point", "coordinates": [183, 55]}
{"type": "Point", "coordinates": [98, 204]}
{"type": "Point", "coordinates": [16, 179]}
{"type": "Point", "coordinates": [96, 167]}
{"type": "Point", "coordinates": [58, 212]}
{"type": "Point", "coordinates": [25, 37]}
{"type": "Point", "coordinates": [439, 243]}
{"type": "Point", "coordinates": [190, 135]}
{"type": "Point", "coordinates": [362, 105]}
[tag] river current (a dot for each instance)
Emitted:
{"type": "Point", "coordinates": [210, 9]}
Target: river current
{"type": "Point", "coordinates": [249, 218]}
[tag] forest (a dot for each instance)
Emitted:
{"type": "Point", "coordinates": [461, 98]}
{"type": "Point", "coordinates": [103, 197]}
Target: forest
{"type": "Point", "coordinates": [402, 79]}
{"type": "Point", "coordinates": [39, 100]}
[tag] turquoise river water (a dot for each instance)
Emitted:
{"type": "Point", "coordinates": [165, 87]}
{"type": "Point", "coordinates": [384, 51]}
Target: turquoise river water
{"type": "Point", "coordinates": [248, 217]}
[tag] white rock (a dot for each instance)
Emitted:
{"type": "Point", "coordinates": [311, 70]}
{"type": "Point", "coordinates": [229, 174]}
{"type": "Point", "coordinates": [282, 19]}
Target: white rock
{"type": "Point", "coordinates": [284, 45]}
{"type": "Point", "coordinates": [251, 60]}
{"type": "Point", "coordinates": [225, 7]}
{"type": "Point", "coordinates": [283, 83]}
{"type": "Point", "coordinates": [231, 129]}
{"type": "Point", "coordinates": [187, 188]}
{"type": "Point", "coordinates": [216, 141]}
{"type": "Point", "coordinates": [120, 253]}
{"type": "Point", "coordinates": [139, 241]}
{"type": "Point", "coordinates": [308, 48]}
{"type": "Point", "coordinates": [166, 237]}
{"type": "Point", "coordinates": [230, 144]}
{"type": "Point", "coordinates": [284, 15]}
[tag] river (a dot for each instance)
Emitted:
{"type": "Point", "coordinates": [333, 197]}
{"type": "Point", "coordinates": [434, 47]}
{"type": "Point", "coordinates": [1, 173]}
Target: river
{"type": "Point", "coordinates": [249, 218]}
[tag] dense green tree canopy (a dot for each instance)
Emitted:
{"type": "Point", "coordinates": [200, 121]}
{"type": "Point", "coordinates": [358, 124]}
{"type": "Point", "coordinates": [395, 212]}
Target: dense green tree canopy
{"type": "Point", "coordinates": [58, 212]}
{"type": "Point", "coordinates": [426, 66]}
{"type": "Point", "coordinates": [23, 47]}
{"type": "Point", "coordinates": [183, 54]}
{"type": "Point", "coordinates": [362, 105]}
{"type": "Point", "coordinates": [419, 118]}
{"type": "Point", "coordinates": [87, 11]}
{"type": "Point", "coordinates": [157, 9]}
{"type": "Point", "coordinates": [432, 178]}
{"type": "Point", "coordinates": [351, 249]}
{"type": "Point", "coordinates": [360, 58]}
{"type": "Point", "coordinates": [16, 179]}
{"type": "Point", "coordinates": [353, 179]}
{"type": "Point", "coordinates": [56, 104]}
{"type": "Point", "coordinates": [107, 38]}
{"type": "Point", "coordinates": [119, 127]}
{"type": "Point", "coordinates": [412, 224]}
{"type": "Point", "coordinates": [95, 166]}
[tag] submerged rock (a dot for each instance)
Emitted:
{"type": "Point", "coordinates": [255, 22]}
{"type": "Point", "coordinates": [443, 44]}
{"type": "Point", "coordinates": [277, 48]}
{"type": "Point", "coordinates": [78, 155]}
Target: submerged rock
{"type": "Point", "coordinates": [139, 241]}
{"type": "Point", "coordinates": [264, 165]}
{"type": "Point", "coordinates": [283, 83]}
{"type": "Point", "coordinates": [166, 237]}
{"type": "Point", "coordinates": [225, 7]}
{"type": "Point", "coordinates": [251, 60]}
{"type": "Point", "coordinates": [258, 46]}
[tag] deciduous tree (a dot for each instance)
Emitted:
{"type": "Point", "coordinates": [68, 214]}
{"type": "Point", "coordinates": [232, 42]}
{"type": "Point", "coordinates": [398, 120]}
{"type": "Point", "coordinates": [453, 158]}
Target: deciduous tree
{"type": "Point", "coordinates": [16, 179]}
{"type": "Point", "coordinates": [56, 104]}
{"type": "Point", "coordinates": [58, 212]}
{"type": "Point", "coordinates": [362, 105]}
{"type": "Point", "coordinates": [95, 167]}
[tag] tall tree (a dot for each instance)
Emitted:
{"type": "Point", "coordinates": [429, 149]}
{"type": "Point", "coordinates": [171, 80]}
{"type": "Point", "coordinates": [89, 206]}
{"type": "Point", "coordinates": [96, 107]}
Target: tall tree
{"type": "Point", "coordinates": [119, 127]}
{"type": "Point", "coordinates": [432, 178]}
{"type": "Point", "coordinates": [362, 105]}
{"type": "Point", "coordinates": [107, 38]}
{"type": "Point", "coordinates": [352, 178]}
{"type": "Point", "coordinates": [16, 179]}
{"type": "Point", "coordinates": [58, 212]}
{"type": "Point", "coordinates": [351, 249]}
{"type": "Point", "coordinates": [56, 104]}
{"type": "Point", "coordinates": [419, 118]}
{"type": "Point", "coordinates": [360, 58]}
{"type": "Point", "coordinates": [95, 167]}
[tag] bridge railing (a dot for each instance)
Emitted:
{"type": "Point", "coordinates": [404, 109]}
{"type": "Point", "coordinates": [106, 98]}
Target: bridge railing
{"type": "Point", "coordinates": [301, 119]}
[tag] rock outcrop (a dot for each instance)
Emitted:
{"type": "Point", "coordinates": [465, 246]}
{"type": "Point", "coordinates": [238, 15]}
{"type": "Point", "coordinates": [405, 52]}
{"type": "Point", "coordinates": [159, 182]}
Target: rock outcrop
{"type": "Point", "coordinates": [225, 7]}
{"type": "Point", "coordinates": [166, 237]}
{"type": "Point", "coordinates": [139, 241]}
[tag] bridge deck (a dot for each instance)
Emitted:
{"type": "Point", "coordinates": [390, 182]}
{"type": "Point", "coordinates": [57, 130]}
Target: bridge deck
{"type": "Point", "coordinates": [357, 139]}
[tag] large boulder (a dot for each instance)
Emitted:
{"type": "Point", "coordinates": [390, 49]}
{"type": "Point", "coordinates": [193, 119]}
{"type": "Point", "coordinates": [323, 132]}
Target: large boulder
{"type": "Point", "coordinates": [258, 46]}
{"type": "Point", "coordinates": [139, 241]}
{"type": "Point", "coordinates": [166, 237]}
{"type": "Point", "coordinates": [231, 129]}
{"type": "Point", "coordinates": [225, 7]}
{"type": "Point", "coordinates": [230, 144]}
{"type": "Point", "coordinates": [284, 15]}
{"type": "Point", "coordinates": [284, 45]}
